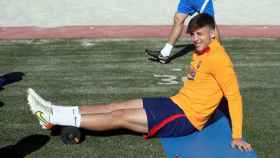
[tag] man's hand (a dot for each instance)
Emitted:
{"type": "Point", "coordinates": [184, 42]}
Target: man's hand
{"type": "Point", "coordinates": [241, 145]}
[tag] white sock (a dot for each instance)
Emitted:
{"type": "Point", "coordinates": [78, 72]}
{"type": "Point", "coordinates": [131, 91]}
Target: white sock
{"type": "Point", "coordinates": [66, 116]}
{"type": "Point", "coordinates": [166, 50]}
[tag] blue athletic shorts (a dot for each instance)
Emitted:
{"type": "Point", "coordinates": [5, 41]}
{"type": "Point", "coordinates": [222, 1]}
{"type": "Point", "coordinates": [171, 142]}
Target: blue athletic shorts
{"type": "Point", "coordinates": [196, 6]}
{"type": "Point", "coordinates": [165, 118]}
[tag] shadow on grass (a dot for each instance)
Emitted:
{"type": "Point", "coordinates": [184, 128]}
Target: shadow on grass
{"type": "Point", "coordinates": [185, 49]}
{"type": "Point", "coordinates": [110, 133]}
{"type": "Point", "coordinates": [1, 104]}
{"type": "Point", "coordinates": [25, 146]}
{"type": "Point", "coordinates": [58, 130]}
{"type": "Point", "coordinates": [10, 78]}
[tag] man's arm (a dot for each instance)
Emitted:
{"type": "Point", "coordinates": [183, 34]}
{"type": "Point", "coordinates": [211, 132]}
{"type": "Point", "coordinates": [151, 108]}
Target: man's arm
{"type": "Point", "coordinates": [225, 76]}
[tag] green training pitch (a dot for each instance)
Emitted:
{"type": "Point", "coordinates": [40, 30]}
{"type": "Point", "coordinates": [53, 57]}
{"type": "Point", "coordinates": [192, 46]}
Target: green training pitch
{"type": "Point", "coordinates": [90, 71]}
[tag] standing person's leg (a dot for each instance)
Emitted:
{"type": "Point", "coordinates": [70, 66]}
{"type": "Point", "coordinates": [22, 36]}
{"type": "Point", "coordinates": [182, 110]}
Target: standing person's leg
{"type": "Point", "coordinates": [177, 27]}
{"type": "Point", "coordinates": [184, 9]}
{"type": "Point", "coordinates": [176, 31]}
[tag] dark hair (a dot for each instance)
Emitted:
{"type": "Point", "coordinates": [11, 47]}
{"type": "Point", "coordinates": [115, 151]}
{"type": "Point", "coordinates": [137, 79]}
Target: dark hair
{"type": "Point", "coordinates": [199, 21]}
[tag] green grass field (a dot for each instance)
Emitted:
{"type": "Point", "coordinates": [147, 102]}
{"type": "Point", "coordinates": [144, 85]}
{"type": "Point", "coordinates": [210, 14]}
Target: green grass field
{"type": "Point", "coordinates": [89, 71]}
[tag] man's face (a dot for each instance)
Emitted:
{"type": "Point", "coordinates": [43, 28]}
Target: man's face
{"type": "Point", "coordinates": [201, 38]}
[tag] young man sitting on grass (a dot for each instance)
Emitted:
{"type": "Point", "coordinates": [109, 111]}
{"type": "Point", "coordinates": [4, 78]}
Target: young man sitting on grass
{"type": "Point", "coordinates": [210, 77]}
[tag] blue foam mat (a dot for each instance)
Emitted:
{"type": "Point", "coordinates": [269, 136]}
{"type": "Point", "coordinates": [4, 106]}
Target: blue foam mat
{"type": "Point", "coordinates": [212, 142]}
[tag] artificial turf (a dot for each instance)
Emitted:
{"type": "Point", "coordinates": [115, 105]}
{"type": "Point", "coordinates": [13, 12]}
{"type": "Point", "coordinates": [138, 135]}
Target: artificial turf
{"type": "Point", "coordinates": [91, 71]}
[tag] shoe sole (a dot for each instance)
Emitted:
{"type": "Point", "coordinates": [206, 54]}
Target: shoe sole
{"type": "Point", "coordinates": [155, 54]}
{"type": "Point", "coordinates": [152, 52]}
{"type": "Point", "coordinates": [32, 98]}
{"type": "Point", "coordinates": [43, 122]}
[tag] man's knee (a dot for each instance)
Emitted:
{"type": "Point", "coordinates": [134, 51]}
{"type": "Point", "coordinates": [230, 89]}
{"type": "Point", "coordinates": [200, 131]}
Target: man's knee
{"type": "Point", "coordinates": [180, 18]}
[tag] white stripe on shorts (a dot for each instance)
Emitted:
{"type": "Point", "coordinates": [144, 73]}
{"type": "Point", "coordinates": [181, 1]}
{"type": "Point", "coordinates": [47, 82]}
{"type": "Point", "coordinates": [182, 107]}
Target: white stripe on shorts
{"type": "Point", "coordinates": [203, 6]}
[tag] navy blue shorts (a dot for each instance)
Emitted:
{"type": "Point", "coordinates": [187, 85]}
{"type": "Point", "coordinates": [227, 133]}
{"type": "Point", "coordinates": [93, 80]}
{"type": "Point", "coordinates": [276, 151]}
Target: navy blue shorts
{"type": "Point", "coordinates": [165, 118]}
